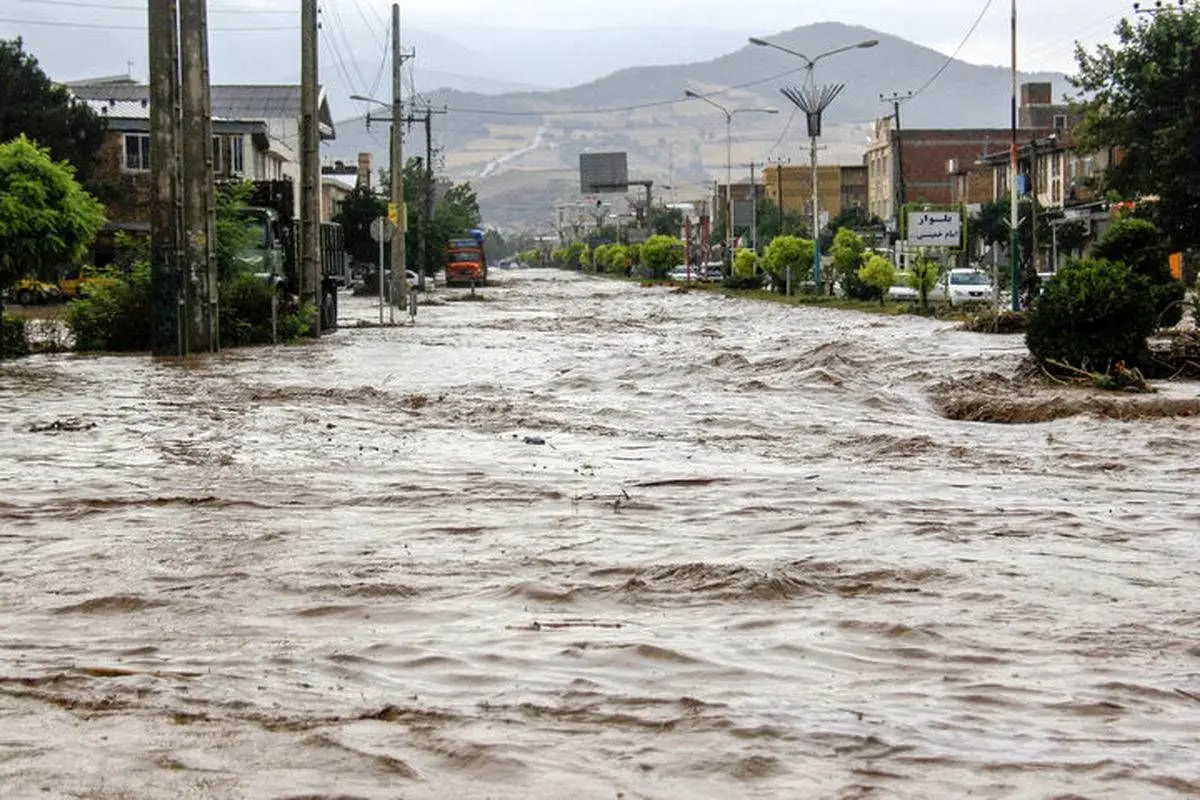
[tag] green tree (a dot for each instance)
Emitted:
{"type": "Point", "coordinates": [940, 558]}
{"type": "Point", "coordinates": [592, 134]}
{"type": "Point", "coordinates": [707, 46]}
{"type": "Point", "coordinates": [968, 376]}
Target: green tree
{"type": "Point", "coordinates": [660, 254]}
{"type": "Point", "coordinates": [47, 114]}
{"type": "Point", "coordinates": [745, 263]}
{"type": "Point", "coordinates": [772, 224]}
{"type": "Point", "coordinates": [788, 255]}
{"type": "Point", "coordinates": [46, 218]}
{"type": "Point", "coordinates": [1141, 96]}
{"type": "Point", "coordinates": [923, 277]}
{"type": "Point", "coordinates": [359, 209]}
{"type": "Point", "coordinates": [879, 274]}
{"type": "Point", "coordinates": [666, 221]}
{"type": "Point", "coordinates": [848, 253]}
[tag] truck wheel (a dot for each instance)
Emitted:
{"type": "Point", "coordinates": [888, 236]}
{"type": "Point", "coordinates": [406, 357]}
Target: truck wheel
{"type": "Point", "coordinates": [24, 298]}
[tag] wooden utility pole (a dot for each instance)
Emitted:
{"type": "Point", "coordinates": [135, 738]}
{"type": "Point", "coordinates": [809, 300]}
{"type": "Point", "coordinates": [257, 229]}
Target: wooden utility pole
{"type": "Point", "coordinates": [198, 194]}
{"type": "Point", "coordinates": [168, 336]}
{"type": "Point", "coordinates": [399, 263]}
{"type": "Point", "coordinates": [310, 165]}
{"type": "Point", "coordinates": [779, 162]}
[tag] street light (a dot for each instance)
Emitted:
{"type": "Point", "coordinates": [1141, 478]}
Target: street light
{"type": "Point", "coordinates": [728, 112]}
{"type": "Point", "coordinates": [813, 102]}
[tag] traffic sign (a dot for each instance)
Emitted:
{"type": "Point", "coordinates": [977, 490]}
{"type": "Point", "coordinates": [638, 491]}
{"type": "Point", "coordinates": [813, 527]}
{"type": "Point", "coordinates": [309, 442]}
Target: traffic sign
{"type": "Point", "coordinates": [382, 229]}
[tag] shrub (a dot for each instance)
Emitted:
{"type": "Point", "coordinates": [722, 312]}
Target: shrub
{"type": "Point", "coordinates": [744, 264]}
{"type": "Point", "coordinates": [745, 283]}
{"type": "Point", "coordinates": [660, 254]}
{"type": "Point", "coordinates": [923, 277]}
{"type": "Point", "coordinates": [14, 339]}
{"type": "Point", "coordinates": [115, 314]}
{"type": "Point", "coordinates": [1141, 246]}
{"type": "Point", "coordinates": [789, 252]}
{"type": "Point", "coordinates": [1090, 315]}
{"type": "Point", "coordinates": [848, 252]}
{"type": "Point", "coordinates": [878, 274]}
{"type": "Point", "coordinates": [991, 322]}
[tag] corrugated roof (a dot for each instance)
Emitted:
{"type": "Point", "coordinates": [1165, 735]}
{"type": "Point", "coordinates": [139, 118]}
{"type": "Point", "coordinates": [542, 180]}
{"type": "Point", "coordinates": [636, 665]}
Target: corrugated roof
{"type": "Point", "coordinates": [237, 101]}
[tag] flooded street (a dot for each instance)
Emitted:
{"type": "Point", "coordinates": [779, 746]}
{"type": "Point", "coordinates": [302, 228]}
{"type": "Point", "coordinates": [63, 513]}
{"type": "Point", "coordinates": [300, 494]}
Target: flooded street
{"type": "Point", "coordinates": [749, 560]}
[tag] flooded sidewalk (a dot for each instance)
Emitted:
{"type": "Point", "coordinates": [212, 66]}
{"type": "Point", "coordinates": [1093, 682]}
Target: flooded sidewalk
{"type": "Point", "coordinates": [589, 539]}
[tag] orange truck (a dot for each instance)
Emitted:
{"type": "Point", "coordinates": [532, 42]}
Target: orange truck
{"type": "Point", "coordinates": [466, 264]}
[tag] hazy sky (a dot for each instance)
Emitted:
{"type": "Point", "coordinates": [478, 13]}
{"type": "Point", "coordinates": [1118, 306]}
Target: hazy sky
{"type": "Point", "coordinates": [1047, 28]}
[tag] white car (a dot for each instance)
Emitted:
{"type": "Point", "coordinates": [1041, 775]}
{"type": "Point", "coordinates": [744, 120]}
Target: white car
{"type": "Point", "coordinates": [901, 292]}
{"type": "Point", "coordinates": [960, 287]}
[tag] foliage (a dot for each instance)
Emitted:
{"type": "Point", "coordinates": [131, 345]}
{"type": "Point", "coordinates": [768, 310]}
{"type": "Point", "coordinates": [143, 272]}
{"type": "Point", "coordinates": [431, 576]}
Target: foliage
{"type": "Point", "coordinates": [848, 252]}
{"type": "Point", "coordinates": [234, 235]}
{"type": "Point", "coordinates": [786, 253]}
{"type": "Point", "coordinates": [457, 213]}
{"type": "Point", "coordinates": [1141, 96]}
{"type": "Point", "coordinates": [666, 221]}
{"type": "Point", "coordinates": [33, 106]}
{"type": "Point", "coordinates": [660, 254]}
{"type": "Point", "coordinates": [246, 313]}
{"type": "Point", "coordinates": [771, 223]}
{"type": "Point", "coordinates": [46, 218]}
{"type": "Point", "coordinates": [1141, 246]}
{"type": "Point", "coordinates": [878, 273]}
{"type": "Point", "coordinates": [1090, 315]}
{"type": "Point", "coordinates": [617, 260]}
{"type": "Point", "coordinates": [115, 315]}
{"type": "Point", "coordinates": [358, 210]}
{"type": "Point", "coordinates": [923, 277]}
{"type": "Point", "coordinates": [14, 341]}
{"type": "Point", "coordinates": [575, 255]}
{"type": "Point", "coordinates": [745, 263]}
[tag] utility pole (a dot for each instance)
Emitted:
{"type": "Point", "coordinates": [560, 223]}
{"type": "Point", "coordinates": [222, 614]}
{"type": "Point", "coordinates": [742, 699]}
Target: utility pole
{"type": "Point", "coordinates": [901, 193]}
{"type": "Point", "coordinates": [1014, 239]}
{"type": "Point", "coordinates": [399, 262]}
{"type": "Point", "coordinates": [427, 191]}
{"type": "Point", "coordinates": [779, 162]}
{"type": "Point", "coordinates": [310, 164]}
{"type": "Point", "coordinates": [754, 205]}
{"type": "Point", "coordinates": [168, 335]}
{"type": "Point", "coordinates": [198, 194]}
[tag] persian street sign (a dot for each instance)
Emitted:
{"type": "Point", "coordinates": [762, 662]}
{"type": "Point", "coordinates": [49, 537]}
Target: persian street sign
{"type": "Point", "coordinates": [934, 229]}
{"type": "Point", "coordinates": [603, 172]}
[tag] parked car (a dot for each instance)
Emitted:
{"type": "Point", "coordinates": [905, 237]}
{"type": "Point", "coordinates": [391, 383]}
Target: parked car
{"type": "Point", "coordinates": [680, 272]}
{"type": "Point", "coordinates": [960, 287]}
{"type": "Point", "coordinates": [901, 291]}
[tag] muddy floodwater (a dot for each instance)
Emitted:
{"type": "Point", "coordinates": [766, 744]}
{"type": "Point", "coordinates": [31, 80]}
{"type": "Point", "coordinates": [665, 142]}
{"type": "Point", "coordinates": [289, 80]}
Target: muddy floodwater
{"type": "Point", "coordinates": [589, 540]}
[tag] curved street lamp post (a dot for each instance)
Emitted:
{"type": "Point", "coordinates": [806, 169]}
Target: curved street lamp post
{"type": "Point", "coordinates": [813, 101]}
{"type": "Point", "coordinates": [728, 112]}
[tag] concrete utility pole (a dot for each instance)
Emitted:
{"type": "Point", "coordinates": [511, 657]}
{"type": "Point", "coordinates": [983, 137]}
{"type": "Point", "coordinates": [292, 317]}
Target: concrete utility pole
{"type": "Point", "coordinates": [754, 206]}
{"type": "Point", "coordinates": [168, 337]}
{"type": "Point", "coordinates": [310, 165]}
{"type": "Point", "coordinates": [1014, 234]}
{"type": "Point", "coordinates": [901, 193]}
{"type": "Point", "coordinates": [199, 200]}
{"type": "Point", "coordinates": [399, 263]}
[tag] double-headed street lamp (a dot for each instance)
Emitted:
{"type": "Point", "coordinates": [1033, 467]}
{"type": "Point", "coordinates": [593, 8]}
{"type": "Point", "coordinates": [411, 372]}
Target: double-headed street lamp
{"type": "Point", "coordinates": [813, 101]}
{"type": "Point", "coordinates": [729, 112]}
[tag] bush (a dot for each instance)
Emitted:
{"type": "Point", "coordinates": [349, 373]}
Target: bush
{"type": "Point", "coordinates": [745, 283]}
{"type": "Point", "coordinates": [115, 314]}
{"type": "Point", "coordinates": [1092, 314]}
{"type": "Point", "coordinates": [923, 277]}
{"type": "Point", "coordinates": [1144, 249]}
{"type": "Point", "coordinates": [744, 264]}
{"type": "Point", "coordinates": [991, 322]}
{"type": "Point", "coordinates": [786, 252]}
{"type": "Point", "coordinates": [14, 339]}
{"type": "Point", "coordinates": [878, 274]}
{"type": "Point", "coordinates": [660, 254]}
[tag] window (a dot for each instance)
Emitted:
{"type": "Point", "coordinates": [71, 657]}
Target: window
{"type": "Point", "coordinates": [137, 152]}
{"type": "Point", "coordinates": [237, 155]}
{"type": "Point", "coordinates": [218, 163]}
{"type": "Point", "coordinates": [1060, 121]}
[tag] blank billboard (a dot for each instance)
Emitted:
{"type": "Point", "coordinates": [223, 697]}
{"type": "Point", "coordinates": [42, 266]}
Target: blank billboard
{"type": "Point", "coordinates": [603, 172]}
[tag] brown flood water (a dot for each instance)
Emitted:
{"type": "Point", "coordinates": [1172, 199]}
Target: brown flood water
{"type": "Point", "coordinates": [751, 560]}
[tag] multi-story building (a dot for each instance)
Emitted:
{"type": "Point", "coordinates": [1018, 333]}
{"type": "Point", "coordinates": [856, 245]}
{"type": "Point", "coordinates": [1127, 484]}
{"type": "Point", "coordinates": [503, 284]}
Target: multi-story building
{"type": "Point", "coordinates": [838, 188]}
{"type": "Point", "coordinates": [939, 166]}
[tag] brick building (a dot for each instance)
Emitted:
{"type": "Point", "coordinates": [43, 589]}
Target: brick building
{"type": "Point", "coordinates": [838, 188]}
{"type": "Point", "coordinates": [939, 166]}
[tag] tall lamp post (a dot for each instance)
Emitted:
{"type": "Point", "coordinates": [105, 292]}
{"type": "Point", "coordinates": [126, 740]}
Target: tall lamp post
{"type": "Point", "coordinates": [728, 112]}
{"type": "Point", "coordinates": [813, 101]}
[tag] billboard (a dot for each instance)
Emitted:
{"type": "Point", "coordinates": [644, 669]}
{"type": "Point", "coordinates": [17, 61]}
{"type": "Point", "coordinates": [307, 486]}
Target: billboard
{"type": "Point", "coordinates": [603, 172]}
{"type": "Point", "coordinates": [934, 229]}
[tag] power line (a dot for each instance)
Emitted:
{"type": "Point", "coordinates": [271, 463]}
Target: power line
{"type": "Point", "coordinates": [97, 26]}
{"type": "Point", "coordinates": [142, 8]}
{"type": "Point", "coordinates": [957, 50]}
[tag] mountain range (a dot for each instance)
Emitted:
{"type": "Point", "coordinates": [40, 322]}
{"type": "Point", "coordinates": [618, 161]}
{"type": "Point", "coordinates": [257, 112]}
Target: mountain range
{"type": "Point", "coordinates": [520, 149]}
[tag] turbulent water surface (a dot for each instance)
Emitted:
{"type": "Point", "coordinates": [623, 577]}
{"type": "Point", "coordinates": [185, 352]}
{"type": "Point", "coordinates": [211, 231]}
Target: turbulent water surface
{"type": "Point", "coordinates": [589, 540]}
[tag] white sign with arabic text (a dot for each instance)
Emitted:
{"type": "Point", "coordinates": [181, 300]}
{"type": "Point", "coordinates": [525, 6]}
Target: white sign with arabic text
{"type": "Point", "coordinates": [935, 229]}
